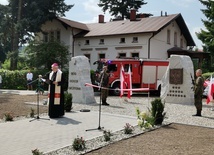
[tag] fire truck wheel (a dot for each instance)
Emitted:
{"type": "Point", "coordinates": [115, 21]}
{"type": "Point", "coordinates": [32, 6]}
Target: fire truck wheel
{"type": "Point", "coordinates": [116, 90]}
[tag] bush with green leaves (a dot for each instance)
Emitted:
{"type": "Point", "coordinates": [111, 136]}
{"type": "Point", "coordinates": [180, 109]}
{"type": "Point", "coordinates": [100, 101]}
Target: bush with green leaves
{"type": "Point", "coordinates": [78, 144]}
{"type": "Point", "coordinates": [8, 117]}
{"type": "Point", "coordinates": [128, 128]}
{"type": "Point", "coordinates": [36, 152]}
{"type": "Point", "coordinates": [68, 101]}
{"type": "Point", "coordinates": [107, 135]}
{"type": "Point", "coordinates": [17, 79]}
{"type": "Point", "coordinates": [157, 111]}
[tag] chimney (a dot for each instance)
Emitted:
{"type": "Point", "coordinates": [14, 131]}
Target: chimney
{"type": "Point", "coordinates": [142, 15]}
{"type": "Point", "coordinates": [133, 15]}
{"type": "Point", "coordinates": [101, 18]}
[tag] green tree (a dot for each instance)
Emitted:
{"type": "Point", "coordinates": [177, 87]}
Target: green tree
{"type": "Point", "coordinates": [5, 32]}
{"type": "Point", "coordinates": [206, 36]}
{"type": "Point", "coordinates": [42, 55]}
{"type": "Point", "coordinates": [27, 16]}
{"type": "Point", "coordinates": [120, 7]}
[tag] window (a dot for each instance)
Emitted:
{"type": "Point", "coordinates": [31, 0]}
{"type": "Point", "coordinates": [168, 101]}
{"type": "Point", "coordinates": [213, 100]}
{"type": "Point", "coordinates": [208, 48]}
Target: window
{"type": "Point", "coordinates": [135, 55]}
{"type": "Point", "coordinates": [181, 43]}
{"type": "Point", "coordinates": [135, 40]}
{"type": "Point", "coordinates": [102, 56]}
{"type": "Point", "coordinates": [112, 67]}
{"type": "Point", "coordinates": [126, 67]}
{"type": "Point", "coordinates": [52, 36]}
{"type": "Point", "coordinates": [58, 35]}
{"type": "Point", "coordinates": [175, 39]}
{"type": "Point", "coordinates": [45, 37]}
{"type": "Point", "coordinates": [87, 42]}
{"type": "Point", "coordinates": [101, 41]}
{"type": "Point", "coordinates": [88, 56]}
{"type": "Point", "coordinates": [122, 40]}
{"type": "Point", "coordinates": [122, 55]}
{"type": "Point", "coordinates": [168, 36]}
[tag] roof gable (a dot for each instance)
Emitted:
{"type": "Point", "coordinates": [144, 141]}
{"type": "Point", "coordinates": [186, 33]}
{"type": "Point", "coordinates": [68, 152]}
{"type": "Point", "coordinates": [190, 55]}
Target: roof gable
{"type": "Point", "coordinates": [73, 24]}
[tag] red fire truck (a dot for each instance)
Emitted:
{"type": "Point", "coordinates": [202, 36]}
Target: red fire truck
{"type": "Point", "coordinates": [146, 73]}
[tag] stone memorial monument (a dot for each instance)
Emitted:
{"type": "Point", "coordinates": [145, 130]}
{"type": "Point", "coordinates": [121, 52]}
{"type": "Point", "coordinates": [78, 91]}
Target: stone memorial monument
{"type": "Point", "coordinates": [79, 74]}
{"type": "Point", "coordinates": [177, 84]}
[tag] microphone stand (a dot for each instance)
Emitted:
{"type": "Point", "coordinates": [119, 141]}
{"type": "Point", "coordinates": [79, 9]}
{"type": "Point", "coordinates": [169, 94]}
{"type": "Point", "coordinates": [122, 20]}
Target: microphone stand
{"type": "Point", "coordinates": [99, 127]}
{"type": "Point", "coordinates": [38, 92]}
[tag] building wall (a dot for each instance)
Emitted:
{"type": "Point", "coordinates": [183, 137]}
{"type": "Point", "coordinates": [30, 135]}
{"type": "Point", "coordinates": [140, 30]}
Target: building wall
{"type": "Point", "coordinates": [112, 45]}
{"type": "Point", "coordinates": [66, 33]}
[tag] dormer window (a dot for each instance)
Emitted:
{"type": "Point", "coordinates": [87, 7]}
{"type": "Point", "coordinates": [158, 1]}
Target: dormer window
{"type": "Point", "coordinates": [122, 40]}
{"type": "Point", "coordinates": [87, 42]}
{"type": "Point", "coordinates": [101, 41]}
{"type": "Point", "coordinates": [135, 40]}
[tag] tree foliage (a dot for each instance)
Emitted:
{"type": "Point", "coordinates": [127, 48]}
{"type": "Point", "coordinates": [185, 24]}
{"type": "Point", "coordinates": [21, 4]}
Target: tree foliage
{"type": "Point", "coordinates": [206, 36]}
{"type": "Point", "coordinates": [5, 31]}
{"type": "Point", "coordinates": [25, 17]}
{"type": "Point", "coordinates": [42, 55]}
{"type": "Point", "coordinates": [120, 7]}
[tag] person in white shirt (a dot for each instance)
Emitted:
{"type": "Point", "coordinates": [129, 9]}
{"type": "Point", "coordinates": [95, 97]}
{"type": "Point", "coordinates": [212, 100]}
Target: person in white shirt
{"type": "Point", "coordinates": [29, 77]}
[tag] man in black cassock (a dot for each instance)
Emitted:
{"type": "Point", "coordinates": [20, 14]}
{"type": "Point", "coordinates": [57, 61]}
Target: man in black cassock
{"type": "Point", "coordinates": [55, 92]}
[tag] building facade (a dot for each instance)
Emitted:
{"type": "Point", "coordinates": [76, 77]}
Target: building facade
{"type": "Point", "coordinates": [147, 38]}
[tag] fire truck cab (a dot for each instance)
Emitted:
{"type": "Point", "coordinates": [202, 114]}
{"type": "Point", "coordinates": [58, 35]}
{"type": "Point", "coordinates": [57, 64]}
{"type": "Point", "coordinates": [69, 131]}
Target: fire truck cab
{"type": "Point", "coordinates": [145, 73]}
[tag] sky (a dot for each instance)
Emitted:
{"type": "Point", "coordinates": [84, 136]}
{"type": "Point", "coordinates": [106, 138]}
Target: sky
{"type": "Point", "coordinates": [87, 11]}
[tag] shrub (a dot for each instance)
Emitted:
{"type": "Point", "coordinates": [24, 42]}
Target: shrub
{"type": "Point", "coordinates": [128, 129]}
{"type": "Point", "coordinates": [36, 152]}
{"type": "Point", "coordinates": [67, 101]}
{"type": "Point", "coordinates": [107, 135]}
{"type": "Point", "coordinates": [78, 144]}
{"type": "Point", "coordinates": [8, 117]}
{"type": "Point", "coordinates": [157, 111]}
{"type": "Point", "coordinates": [32, 112]}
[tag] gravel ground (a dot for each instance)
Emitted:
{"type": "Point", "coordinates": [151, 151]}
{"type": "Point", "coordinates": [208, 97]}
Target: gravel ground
{"type": "Point", "coordinates": [194, 133]}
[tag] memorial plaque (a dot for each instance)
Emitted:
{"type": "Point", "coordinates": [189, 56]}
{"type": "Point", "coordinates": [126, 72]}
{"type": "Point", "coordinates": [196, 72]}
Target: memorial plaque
{"type": "Point", "coordinates": [176, 76]}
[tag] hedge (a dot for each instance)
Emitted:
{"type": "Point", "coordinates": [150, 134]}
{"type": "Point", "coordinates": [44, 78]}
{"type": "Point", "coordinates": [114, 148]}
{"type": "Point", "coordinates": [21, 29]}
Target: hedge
{"type": "Point", "coordinates": [17, 79]}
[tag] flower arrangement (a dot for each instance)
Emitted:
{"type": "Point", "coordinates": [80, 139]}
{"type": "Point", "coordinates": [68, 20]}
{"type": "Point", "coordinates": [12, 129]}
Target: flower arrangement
{"type": "Point", "coordinates": [37, 152]}
{"type": "Point", "coordinates": [107, 135]}
{"type": "Point", "coordinates": [128, 129]}
{"type": "Point", "coordinates": [145, 119]}
{"type": "Point", "coordinates": [78, 144]}
{"type": "Point", "coordinates": [154, 116]}
{"type": "Point", "coordinates": [8, 117]}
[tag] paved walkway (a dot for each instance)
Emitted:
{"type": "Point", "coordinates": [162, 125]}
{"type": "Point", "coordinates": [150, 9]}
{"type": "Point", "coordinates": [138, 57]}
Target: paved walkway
{"type": "Point", "coordinates": [22, 136]}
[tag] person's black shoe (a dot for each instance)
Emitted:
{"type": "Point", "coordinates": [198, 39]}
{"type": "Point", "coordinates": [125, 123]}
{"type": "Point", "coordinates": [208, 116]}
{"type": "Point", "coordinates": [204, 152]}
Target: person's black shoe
{"type": "Point", "coordinates": [199, 115]}
{"type": "Point", "coordinates": [106, 104]}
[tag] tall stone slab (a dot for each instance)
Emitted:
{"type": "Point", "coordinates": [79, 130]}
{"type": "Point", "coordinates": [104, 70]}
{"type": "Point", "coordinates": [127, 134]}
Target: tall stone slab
{"type": "Point", "coordinates": [177, 84]}
{"type": "Point", "coordinates": [79, 74]}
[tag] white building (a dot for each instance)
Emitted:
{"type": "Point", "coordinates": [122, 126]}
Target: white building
{"type": "Point", "coordinates": [147, 38]}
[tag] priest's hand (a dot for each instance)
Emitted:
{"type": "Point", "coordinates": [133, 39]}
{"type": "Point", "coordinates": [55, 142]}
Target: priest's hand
{"type": "Point", "coordinates": [56, 83]}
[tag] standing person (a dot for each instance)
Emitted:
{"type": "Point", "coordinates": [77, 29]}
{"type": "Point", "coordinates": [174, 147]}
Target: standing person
{"type": "Point", "coordinates": [29, 78]}
{"type": "Point", "coordinates": [198, 91]}
{"type": "Point", "coordinates": [104, 82]}
{"type": "Point", "coordinates": [0, 81]}
{"type": "Point", "coordinates": [55, 92]}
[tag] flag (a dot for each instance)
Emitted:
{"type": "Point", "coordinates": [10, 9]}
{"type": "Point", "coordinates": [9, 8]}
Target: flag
{"type": "Point", "coordinates": [210, 90]}
{"type": "Point", "coordinates": [129, 82]}
{"type": "Point", "coordinates": [122, 81]}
